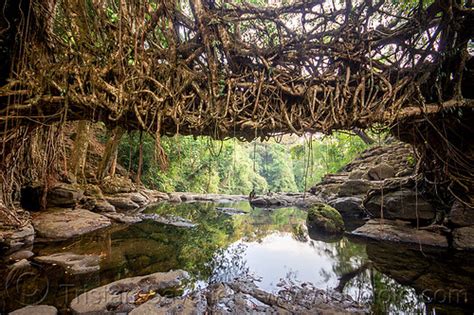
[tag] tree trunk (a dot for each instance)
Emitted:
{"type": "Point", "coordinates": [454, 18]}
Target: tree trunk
{"type": "Point", "coordinates": [364, 136]}
{"type": "Point", "coordinates": [109, 153]}
{"type": "Point", "coordinates": [79, 151]}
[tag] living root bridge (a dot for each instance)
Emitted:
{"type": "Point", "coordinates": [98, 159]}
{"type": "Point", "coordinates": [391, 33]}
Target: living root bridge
{"type": "Point", "coordinates": [224, 69]}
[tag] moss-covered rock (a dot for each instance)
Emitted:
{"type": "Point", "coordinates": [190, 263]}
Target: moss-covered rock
{"type": "Point", "coordinates": [325, 219]}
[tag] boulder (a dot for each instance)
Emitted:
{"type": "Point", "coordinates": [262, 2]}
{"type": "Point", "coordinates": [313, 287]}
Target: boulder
{"type": "Point", "coordinates": [463, 238]}
{"type": "Point", "coordinates": [123, 295]}
{"type": "Point", "coordinates": [122, 203]}
{"type": "Point", "coordinates": [36, 310]}
{"type": "Point", "coordinates": [381, 172]}
{"type": "Point", "coordinates": [61, 224]}
{"type": "Point", "coordinates": [401, 204]}
{"type": "Point", "coordinates": [195, 303]}
{"type": "Point", "coordinates": [325, 218]}
{"type": "Point", "coordinates": [461, 214]}
{"type": "Point", "coordinates": [76, 264]}
{"type": "Point", "coordinates": [347, 205]}
{"type": "Point", "coordinates": [64, 195]}
{"type": "Point", "coordinates": [398, 231]}
{"type": "Point", "coordinates": [116, 185]}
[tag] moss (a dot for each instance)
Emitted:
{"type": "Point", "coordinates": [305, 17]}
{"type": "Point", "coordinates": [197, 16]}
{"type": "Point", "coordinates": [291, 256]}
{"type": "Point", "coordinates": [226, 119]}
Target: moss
{"type": "Point", "coordinates": [326, 218]}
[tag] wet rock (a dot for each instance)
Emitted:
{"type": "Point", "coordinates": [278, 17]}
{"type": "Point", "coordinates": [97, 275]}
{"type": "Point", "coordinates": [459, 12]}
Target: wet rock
{"type": "Point", "coordinates": [402, 204]}
{"type": "Point", "coordinates": [463, 238]}
{"type": "Point", "coordinates": [174, 197]}
{"type": "Point", "coordinates": [116, 185]}
{"type": "Point", "coordinates": [64, 195]}
{"type": "Point", "coordinates": [461, 214]}
{"type": "Point", "coordinates": [12, 240]}
{"type": "Point", "coordinates": [347, 205]}
{"type": "Point", "coordinates": [325, 218]}
{"type": "Point", "coordinates": [123, 218]}
{"type": "Point", "coordinates": [103, 206]}
{"type": "Point", "coordinates": [381, 171]}
{"type": "Point", "coordinates": [19, 255]}
{"type": "Point", "coordinates": [398, 231]}
{"type": "Point", "coordinates": [76, 264]}
{"type": "Point", "coordinates": [122, 203]}
{"type": "Point", "coordinates": [61, 224]}
{"type": "Point", "coordinates": [125, 293]}
{"type": "Point", "coordinates": [169, 220]}
{"type": "Point", "coordinates": [353, 187]}
{"type": "Point", "coordinates": [230, 211]}
{"type": "Point", "coordinates": [36, 310]}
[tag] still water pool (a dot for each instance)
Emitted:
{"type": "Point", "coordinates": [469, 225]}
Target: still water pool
{"type": "Point", "coordinates": [271, 246]}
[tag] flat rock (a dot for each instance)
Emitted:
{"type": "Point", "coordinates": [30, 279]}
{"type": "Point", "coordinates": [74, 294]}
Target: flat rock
{"type": "Point", "coordinates": [402, 204]}
{"type": "Point", "coordinates": [463, 238]}
{"type": "Point", "coordinates": [123, 294]}
{"type": "Point", "coordinates": [64, 195]}
{"type": "Point", "coordinates": [66, 223]}
{"type": "Point", "coordinates": [36, 310]}
{"type": "Point", "coordinates": [12, 240]}
{"type": "Point", "coordinates": [123, 218]}
{"type": "Point", "coordinates": [397, 231]}
{"type": "Point", "coordinates": [76, 264]}
{"type": "Point", "coordinates": [122, 203]}
{"type": "Point", "coordinates": [461, 214]}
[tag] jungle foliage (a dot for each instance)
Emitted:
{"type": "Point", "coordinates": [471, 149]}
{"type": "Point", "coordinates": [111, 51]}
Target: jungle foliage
{"type": "Point", "coordinates": [200, 164]}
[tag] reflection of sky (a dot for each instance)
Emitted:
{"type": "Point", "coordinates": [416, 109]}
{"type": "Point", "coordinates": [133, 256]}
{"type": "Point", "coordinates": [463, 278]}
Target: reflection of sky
{"type": "Point", "coordinates": [279, 255]}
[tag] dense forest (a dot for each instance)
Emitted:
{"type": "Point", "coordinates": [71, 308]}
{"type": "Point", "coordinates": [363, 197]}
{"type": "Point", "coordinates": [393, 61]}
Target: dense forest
{"type": "Point", "coordinates": [201, 164]}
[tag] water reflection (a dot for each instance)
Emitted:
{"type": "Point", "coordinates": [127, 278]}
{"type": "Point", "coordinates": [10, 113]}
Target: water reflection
{"type": "Point", "coordinates": [267, 245]}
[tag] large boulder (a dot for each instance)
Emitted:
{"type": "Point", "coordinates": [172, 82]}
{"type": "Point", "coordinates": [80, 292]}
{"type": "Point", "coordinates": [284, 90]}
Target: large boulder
{"type": "Point", "coordinates": [61, 224]}
{"type": "Point", "coordinates": [126, 294]}
{"type": "Point", "coordinates": [463, 238]}
{"type": "Point", "coordinates": [403, 232]}
{"type": "Point", "coordinates": [402, 204]}
{"type": "Point", "coordinates": [64, 195]}
{"type": "Point", "coordinates": [461, 214]}
{"type": "Point", "coordinates": [381, 171]}
{"type": "Point", "coordinates": [325, 218]}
